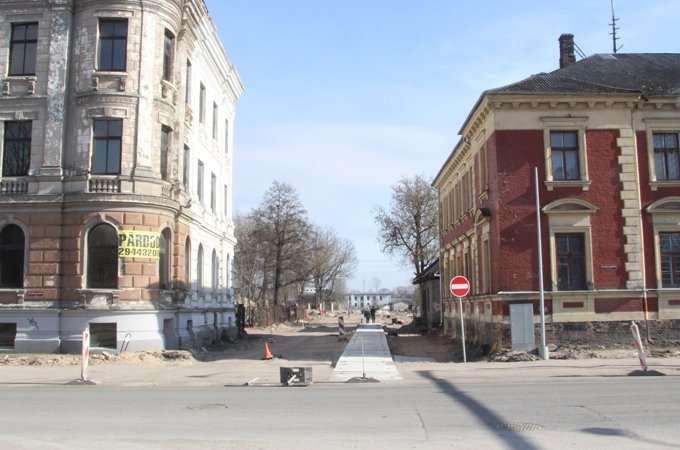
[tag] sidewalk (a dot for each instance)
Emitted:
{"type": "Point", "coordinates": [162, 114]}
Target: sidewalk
{"type": "Point", "coordinates": [366, 357]}
{"type": "Point", "coordinates": [239, 372]}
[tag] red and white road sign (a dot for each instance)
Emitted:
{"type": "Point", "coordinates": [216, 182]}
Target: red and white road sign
{"type": "Point", "coordinates": [459, 286]}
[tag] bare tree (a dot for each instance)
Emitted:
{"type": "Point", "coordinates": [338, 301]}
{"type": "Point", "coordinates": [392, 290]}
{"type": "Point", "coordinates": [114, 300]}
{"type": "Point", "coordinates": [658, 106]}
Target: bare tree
{"type": "Point", "coordinates": [333, 259]}
{"type": "Point", "coordinates": [376, 284]}
{"type": "Point", "coordinates": [251, 276]}
{"type": "Point", "coordinates": [408, 228]}
{"type": "Point", "coordinates": [282, 226]}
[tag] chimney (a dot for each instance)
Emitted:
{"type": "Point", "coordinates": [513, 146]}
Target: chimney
{"type": "Point", "coordinates": [567, 56]}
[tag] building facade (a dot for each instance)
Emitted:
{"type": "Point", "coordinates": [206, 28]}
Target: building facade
{"type": "Point", "coordinates": [428, 283]}
{"type": "Point", "coordinates": [364, 300]}
{"type": "Point", "coordinates": [601, 136]}
{"type": "Point", "coordinates": [116, 125]}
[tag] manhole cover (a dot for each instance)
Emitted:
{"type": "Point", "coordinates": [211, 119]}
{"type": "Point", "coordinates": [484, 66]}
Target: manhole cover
{"type": "Point", "coordinates": [519, 426]}
{"type": "Point", "coordinates": [206, 406]}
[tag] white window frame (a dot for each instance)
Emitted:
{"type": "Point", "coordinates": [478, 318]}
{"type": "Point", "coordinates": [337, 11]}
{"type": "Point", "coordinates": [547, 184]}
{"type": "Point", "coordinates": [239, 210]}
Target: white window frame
{"type": "Point", "coordinates": [577, 124]}
{"type": "Point", "coordinates": [665, 219]}
{"type": "Point", "coordinates": [659, 125]}
{"type": "Point", "coordinates": [570, 216]}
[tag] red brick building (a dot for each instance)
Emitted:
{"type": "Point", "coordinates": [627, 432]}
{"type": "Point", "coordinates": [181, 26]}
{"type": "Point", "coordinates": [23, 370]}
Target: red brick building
{"type": "Point", "coordinates": [602, 134]}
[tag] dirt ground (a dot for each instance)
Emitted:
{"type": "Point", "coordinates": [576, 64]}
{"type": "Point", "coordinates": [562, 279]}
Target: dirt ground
{"type": "Point", "coordinates": [318, 339]}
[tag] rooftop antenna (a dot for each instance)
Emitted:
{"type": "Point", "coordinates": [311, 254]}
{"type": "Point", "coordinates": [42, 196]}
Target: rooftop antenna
{"type": "Point", "coordinates": [579, 52]}
{"type": "Point", "coordinates": [614, 28]}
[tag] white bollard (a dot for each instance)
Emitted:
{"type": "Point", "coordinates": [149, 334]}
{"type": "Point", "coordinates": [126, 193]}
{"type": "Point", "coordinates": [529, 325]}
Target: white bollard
{"type": "Point", "coordinates": [638, 345]}
{"type": "Point", "coordinates": [85, 354]}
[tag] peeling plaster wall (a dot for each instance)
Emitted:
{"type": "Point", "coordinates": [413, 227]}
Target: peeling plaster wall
{"type": "Point", "coordinates": [61, 199]}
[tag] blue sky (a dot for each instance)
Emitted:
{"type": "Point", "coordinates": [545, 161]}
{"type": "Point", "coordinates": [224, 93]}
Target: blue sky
{"type": "Point", "coordinates": [345, 97]}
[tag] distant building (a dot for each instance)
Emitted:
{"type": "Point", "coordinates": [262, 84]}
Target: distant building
{"type": "Point", "coordinates": [603, 134]}
{"type": "Point", "coordinates": [115, 194]}
{"type": "Point", "coordinates": [366, 300]}
{"type": "Point", "coordinates": [428, 283]}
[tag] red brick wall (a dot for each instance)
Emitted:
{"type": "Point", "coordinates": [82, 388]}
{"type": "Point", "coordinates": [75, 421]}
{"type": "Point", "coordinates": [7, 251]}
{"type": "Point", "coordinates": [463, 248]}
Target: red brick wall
{"type": "Point", "coordinates": [515, 221]}
{"type": "Point", "coordinates": [607, 224]}
{"type": "Point", "coordinates": [516, 153]}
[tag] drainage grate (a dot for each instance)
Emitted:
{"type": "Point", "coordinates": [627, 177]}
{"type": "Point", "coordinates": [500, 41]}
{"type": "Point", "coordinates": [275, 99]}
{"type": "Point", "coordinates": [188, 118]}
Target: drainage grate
{"type": "Point", "coordinates": [207, 406]}
{"type": "Point", "coordinates": [519, 426]}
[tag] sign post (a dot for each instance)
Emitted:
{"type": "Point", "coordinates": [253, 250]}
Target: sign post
{"type": "Point", "coordinates": [460, 287]}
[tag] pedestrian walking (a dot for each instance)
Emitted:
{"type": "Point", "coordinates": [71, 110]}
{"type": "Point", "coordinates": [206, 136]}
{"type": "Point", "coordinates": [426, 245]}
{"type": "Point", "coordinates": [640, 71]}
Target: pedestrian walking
{"type": "Point", "coordinates": [367, 315]}
{"type": "Point", "coordinates": [373, 313]}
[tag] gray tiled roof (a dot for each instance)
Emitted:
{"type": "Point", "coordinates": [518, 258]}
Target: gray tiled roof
{"type": "Point", "coordinates": [644, 73]}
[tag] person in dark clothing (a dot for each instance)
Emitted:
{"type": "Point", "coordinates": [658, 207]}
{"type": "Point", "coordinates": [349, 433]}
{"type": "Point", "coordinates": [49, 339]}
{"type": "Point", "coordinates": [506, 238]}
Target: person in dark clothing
{"type": "Point", "coordinates": [373, 313]}
{"type": "Point", "coordinates": [367, 315]}
{"type": "Point", "coordinates": [241, 320]}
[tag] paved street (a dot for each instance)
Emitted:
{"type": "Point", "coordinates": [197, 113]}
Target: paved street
{"type": "Point", "coordinates": [238, 401]}
{"type": "Point", "coordinates": [439, 412]}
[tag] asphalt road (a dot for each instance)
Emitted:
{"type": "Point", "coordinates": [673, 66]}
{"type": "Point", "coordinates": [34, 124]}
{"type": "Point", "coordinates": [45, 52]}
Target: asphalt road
{"type": "Point", "coordinates": [560, 413]}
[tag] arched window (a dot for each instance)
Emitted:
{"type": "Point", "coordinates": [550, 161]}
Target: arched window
{"type": "Point", "coordinates": [102, 257]}
{"type": "Point", "coordinates": [164, 259]}
{"type": "Point", "coordinates": [199, 267]}
{"type": "Point", "coordinates": [187, 264]}
{"type": "Point", "coordinates": [666, 225]}
{"type": "Point", "coordinates": [11, 257]}
{"type": "Point", "coordinates": [215, 271]}
{"type": "Point", "coordinates": [571, 262]}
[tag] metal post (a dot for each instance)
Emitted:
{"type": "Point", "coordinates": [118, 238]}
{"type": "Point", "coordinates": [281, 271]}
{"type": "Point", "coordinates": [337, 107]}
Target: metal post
{"type": "Point", "coordinates": [543, 350]}
{"type": "Point", "coordinates": [462, 327]}
{"type": "Point", "coordinates": [363, 363]}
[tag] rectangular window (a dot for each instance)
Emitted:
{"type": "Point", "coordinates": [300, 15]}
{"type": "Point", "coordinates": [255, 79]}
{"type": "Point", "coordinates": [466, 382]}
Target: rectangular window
{"type": "Point", "coordinates": [215, 118]}
{"type": "Point", "coordinates": [165, 144]}
{"type": "Point", "coordinates": [103, 335]}
{"type": "Point", "coordinates": [113, 44]}
{"type": "Point", "coordinates": [565, 155]}
{"type": "Point", "coordinates": [16, 155]}
{"type": "Point", "coordinates": [22, 49]}
{"type": "Point", "coordinates": [201, 105]}
{"type": "Point", "coordinates": [213, 192]}
{"type": "Point", "coordinates": [185, 168]}
{"type": "Point", "coordinates": [168, 55]}
{"type": "Point", "coordinates": [108, 135]}
{"type": "Point", "coordinates": [482, 169]}
{"type": "Point", "coordinates": [486, 267]}
{"type": "Point", "coordinates": [571, 273]}
{"type": "Point", "coordinates": [226, 137]}
{"type": "Point", "coordinates": [666, 156]}
{"type": "Point", "coordinates": [670, 259]}
{"type": "Point", "coordinates": [187, 91]}
{"type": "Point", "coordinates": [199, 182]}
{"type": "Point", "coordinates": [8, 333]}
{"type": "Point", "coordinates": [226, 201]}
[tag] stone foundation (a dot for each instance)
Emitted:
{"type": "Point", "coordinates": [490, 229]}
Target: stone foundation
{"type": "Point", "coordinates": [581, 333]}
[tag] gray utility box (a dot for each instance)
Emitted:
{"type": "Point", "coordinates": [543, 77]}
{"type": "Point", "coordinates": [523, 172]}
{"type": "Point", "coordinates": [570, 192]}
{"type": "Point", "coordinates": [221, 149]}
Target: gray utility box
{"type": "Point", "coordinates": [296, 375]}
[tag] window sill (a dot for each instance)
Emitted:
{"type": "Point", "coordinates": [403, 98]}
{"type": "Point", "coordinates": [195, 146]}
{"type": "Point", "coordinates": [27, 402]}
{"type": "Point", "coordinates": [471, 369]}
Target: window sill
{"type": "Point", "coordinates": [109, 80]}
{"type": "Point", "coordinates": [655, 185]}
{"type": "Point", "coordinates": [583, 184]}
{"type": "Point", "coordinates": [28, 77]}
{"type": "Point", "coordinates": [17, 84]}
{"type": "Point", "coordinates": [110, 73]}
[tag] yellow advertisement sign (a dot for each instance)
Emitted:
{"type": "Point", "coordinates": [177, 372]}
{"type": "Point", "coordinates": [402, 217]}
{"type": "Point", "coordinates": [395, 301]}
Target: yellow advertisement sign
{"type": "Point", "coordinates": [138, 244]}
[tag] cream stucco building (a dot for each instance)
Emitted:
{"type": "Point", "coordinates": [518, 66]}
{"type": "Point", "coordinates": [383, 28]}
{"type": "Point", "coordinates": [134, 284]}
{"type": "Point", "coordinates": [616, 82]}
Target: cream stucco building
{"type": "Point", "coordinates": [116, 125]}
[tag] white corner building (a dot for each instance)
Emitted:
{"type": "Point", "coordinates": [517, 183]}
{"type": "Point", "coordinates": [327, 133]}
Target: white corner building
{"type": "Point", "coordinates": [116, 125]}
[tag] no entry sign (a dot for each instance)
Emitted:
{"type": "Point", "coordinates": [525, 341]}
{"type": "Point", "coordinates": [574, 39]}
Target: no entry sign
{"type": "Point", "coordinates": [459, 286]}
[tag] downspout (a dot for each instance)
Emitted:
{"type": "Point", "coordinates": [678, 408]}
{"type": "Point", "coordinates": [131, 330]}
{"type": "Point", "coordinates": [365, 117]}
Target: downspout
{"type": "Point", "coordinates": [643, 261]}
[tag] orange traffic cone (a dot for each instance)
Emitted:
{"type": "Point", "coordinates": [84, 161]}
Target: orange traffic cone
{"type": "Point", "coordinates": [267, 353]}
